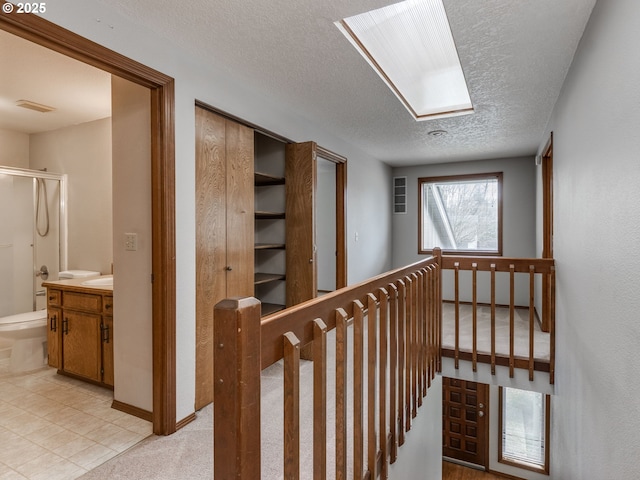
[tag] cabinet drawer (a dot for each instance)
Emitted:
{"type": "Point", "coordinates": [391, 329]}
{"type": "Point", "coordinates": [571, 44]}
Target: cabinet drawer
{"type": "Point", "coordinates": [53, 297]}
{"type": "Point", "coordinates": [82, 301]}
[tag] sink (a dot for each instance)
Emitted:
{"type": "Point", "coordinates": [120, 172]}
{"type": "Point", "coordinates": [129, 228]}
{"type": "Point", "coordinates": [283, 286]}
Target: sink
{"type": "Point", "coordinates": [105, 281]}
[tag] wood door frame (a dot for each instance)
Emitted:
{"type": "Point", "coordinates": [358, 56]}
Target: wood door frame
{"type": "Point", "coordinates": [547, 228]}
{"type": "Point", "coordinates": [42, 32]}
{"type": "Point", "coordinates": [341, 212]}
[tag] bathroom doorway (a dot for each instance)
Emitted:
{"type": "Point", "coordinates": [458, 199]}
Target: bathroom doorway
{"type": "Point", "coordinates": [162, 197]}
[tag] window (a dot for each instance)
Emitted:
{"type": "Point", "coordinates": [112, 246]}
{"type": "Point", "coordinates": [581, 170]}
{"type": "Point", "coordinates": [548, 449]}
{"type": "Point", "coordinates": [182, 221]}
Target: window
{"type": "Point", "coordinates": [461, 214]}
{"type": "Point", "coordinates": [524, 429]}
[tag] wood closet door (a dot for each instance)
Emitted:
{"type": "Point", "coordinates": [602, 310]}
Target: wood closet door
{"type": "Point", "coordinates": [300, 174]}
{"type": "Point", "coordinates": [224, 230]}
{"type": "Point", "coordinates": [465, 420]}
{"type": "Point", "coordinates": [240, 225]}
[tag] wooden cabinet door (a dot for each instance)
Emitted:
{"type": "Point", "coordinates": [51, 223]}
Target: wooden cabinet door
{"type": "Point", "coordinates": [106, 338]}
{"type": "Point", "coordinates": [224, 229]}
{"type": "Point", "coordinates": [81, 344]}
{"type": "Point", "coordinates": [54, 328]}
{"type": "Point", "coordinates": [300, 184]}
{"type": "Point", "coordinates": [465, 421]}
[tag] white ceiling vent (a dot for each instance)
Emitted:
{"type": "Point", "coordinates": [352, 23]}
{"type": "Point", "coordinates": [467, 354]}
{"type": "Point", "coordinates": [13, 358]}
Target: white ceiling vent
{"type": "Point", "coordinates": [34, 106]}
{"type": "Point", "coordinates": [400, 195]}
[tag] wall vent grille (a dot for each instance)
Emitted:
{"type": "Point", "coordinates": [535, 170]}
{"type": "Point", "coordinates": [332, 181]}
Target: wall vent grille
{"type": "Point", "coordinates": [399, 195]}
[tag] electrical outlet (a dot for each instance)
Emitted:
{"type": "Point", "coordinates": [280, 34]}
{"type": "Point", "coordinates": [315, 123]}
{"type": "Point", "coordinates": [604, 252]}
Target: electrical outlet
{"type": "Point", "coordinates": [131, 242]}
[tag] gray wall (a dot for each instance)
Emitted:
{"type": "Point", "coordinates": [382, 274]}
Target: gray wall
{"type": "Point", "coordinates": [596, 125]}
{"type": "Point", "coordinates": [518, 218]}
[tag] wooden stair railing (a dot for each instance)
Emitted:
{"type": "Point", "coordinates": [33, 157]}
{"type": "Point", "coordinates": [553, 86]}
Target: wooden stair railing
{"type": "Point", "coordinates": [529, 266]}
{"type": "Point", "coordinates": [395, 319]}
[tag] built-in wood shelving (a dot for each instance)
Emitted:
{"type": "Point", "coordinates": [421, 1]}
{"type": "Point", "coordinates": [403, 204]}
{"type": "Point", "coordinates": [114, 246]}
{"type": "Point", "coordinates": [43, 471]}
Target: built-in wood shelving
{"type": "Point", "coordinates": [261, 215]}
{"type": "Point", "coordinates": [261, 278]}
{"type": "Point", "coordinates": [269, 246]}
{"type": "Point", "coordinates": [269, 308]}
{"type": "Point", "coordinates": [264, 179]}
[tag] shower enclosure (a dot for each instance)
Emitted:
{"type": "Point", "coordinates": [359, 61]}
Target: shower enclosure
{"type": "Point", "coordinates": [32, 236]}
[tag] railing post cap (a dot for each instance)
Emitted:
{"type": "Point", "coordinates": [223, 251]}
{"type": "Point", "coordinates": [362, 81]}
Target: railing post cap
{"type": "Point", "coordinates": [235, 303]}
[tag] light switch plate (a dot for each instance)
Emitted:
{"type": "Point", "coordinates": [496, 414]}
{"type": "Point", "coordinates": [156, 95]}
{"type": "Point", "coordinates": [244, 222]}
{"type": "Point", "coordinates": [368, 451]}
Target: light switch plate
{"type": "Point", "coordinates": [131, 242]}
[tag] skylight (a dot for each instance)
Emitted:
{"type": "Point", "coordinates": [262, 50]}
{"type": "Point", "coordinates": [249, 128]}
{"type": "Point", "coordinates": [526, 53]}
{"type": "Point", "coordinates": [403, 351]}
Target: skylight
{"type": "Point", "coordinates": [410, 45]}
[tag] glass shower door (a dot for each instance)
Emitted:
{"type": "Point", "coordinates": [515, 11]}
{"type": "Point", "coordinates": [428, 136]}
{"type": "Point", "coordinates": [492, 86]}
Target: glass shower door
{"type": "Point", "coordinates": [22, 249]}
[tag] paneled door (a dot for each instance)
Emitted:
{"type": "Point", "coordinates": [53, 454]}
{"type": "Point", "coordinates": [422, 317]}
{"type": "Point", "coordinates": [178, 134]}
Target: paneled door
{"type": "Point", "coordinates": [465, 420]}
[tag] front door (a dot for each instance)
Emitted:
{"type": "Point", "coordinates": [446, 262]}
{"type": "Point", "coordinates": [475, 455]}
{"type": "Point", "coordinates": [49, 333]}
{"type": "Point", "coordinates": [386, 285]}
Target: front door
{"type": "Point", "coordinates": [465, 422]}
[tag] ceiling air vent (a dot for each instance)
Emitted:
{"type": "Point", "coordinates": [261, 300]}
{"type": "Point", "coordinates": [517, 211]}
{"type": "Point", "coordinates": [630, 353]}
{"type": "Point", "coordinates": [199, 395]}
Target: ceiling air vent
{"type": "Point", "coordinates": [400, 195]}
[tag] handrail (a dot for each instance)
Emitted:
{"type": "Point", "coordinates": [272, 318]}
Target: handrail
{"type": "Point", "coordinates": [395, 318]}
{"type": "Point", "coordinates": [396, 338]}
{"type": "Point", "coordinates": [531, 266]}
{"type": "Point", "coordinates": [298, 319]}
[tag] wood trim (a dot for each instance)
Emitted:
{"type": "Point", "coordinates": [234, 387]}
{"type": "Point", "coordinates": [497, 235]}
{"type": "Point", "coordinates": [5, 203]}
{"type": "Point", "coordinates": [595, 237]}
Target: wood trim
{"type": "Point", "coordinates": [131, 410]}
{"type": "Point", "coordinates": [56, 38]}
{"type": "Point", "coordinates": [186, 420]}
{"type": "Point", "coordinates": [547, 226]}
{"type": "Point", "coordinates": [501, 360]}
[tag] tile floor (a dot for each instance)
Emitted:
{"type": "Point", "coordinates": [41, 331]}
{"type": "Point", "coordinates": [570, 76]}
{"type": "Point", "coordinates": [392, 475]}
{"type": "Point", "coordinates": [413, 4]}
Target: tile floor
{"type": "Point", "coordinates": [55, 427]}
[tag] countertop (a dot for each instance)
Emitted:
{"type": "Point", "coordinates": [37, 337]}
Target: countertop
{"type": "Point", "coordinates": [76, 285]}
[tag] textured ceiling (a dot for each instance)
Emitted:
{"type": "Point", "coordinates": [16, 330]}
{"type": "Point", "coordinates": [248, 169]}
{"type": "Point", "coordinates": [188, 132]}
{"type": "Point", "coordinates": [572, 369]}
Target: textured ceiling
{"type": "Point", "coordinates": [515, 55]}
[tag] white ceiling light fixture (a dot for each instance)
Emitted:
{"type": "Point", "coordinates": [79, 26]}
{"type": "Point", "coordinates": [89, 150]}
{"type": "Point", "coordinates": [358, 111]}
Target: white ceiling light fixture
{"type": "Point", "coordinates": [38, 107]}
{"type": "Point", "coordinates": [410, 45]}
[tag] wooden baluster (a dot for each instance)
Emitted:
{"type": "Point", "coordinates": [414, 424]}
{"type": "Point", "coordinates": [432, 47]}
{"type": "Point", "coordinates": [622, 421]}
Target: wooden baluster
{"type": "Point", "coordinates": [393, 370]}
{"type": "Point", "coordinates": [319, 400]}
{"type": "Point", "coordinates": [372, 357]}
{"type": "Point", "coordinates": [511, 319]}
{"type": "Point", "coordinates": [236, 432]}
{"type": "Point", "coordinates": [532, 272]}
{"type": "Point", "coordinates": [425, 331]}
{"type": "Point", "coordinates": [474, 347]}
{"type": "Point", "coordinates": [429, 327]}
{"type": "Point", "coordinates": [341, 394]}
{"type": "Point", "coordinates": [414, 347]}
{"type": "Point", "coordinates": [383, 325]}
{"type": "Point", "coordinates": [439, 312]}
{"type": "Point", "coordinates": [552, 325]}
{"type": "Point", "coordinates": [402, 366]}
{"type": "Point", "coordinates": [418, 339]}
{"type": "Point", "coordinates": [456, 282]}
{"type": "Point", "coordinates": [291, 407]}
{"type": "Point", "coordinates": [408, 353]}
{"type": "Point", "coordinates": [358, 372]}
{"type": "Point", "coordinates": [493, 319]}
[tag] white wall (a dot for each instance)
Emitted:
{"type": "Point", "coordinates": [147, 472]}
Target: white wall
{"type": "Point", "coordinates": [368, 203]}
{"type": "Point", "coordinates": [421, 455]}
{"type": "Point", "coordinates": [132, 296]}
{"type": "Point", "coordinates": [596, 125]}
{"type": "Point", "coordinates": [14, 149]}
{"type": "Point", "coordinates": [518, 222]}
{"type": "Point", "coordinates": [83, 152]}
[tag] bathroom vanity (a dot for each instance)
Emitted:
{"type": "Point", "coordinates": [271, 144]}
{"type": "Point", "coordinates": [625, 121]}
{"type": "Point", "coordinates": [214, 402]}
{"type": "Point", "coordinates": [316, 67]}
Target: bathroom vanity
{"type": "Point", "coordinates": [80, 328]}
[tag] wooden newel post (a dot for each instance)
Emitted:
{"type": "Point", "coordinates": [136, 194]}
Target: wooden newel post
{"type": "Point", "coordinates": [236, 393]}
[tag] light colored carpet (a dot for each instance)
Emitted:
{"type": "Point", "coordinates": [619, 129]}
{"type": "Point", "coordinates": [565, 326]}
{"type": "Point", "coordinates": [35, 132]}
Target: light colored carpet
{"type": "Point", "coordinates": [521, 323]}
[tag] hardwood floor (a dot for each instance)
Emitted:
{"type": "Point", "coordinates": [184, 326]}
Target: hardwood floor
{"type": "Point", "coordinates": [451, 471]}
